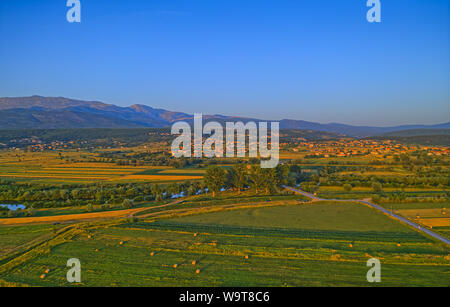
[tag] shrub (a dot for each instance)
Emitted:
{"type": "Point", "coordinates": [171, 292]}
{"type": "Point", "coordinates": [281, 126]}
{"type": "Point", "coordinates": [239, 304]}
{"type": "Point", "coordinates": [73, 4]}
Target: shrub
{"type": "Point", "coordinates": [377, 187]}
{"type": "Point", "coordinates": [127, 204]}
{"type": "Point", "coordinates": [90, 208]}
{"type": "Point", "coordinates": [347, 187]}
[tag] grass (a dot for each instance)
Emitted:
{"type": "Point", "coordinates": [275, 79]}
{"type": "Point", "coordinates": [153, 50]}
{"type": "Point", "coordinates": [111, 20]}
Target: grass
{"type": "Point", "coordinates": [285, 246]}
{"type": "Point", "coordinates": [13, 237]}
{"type": "Point", "coordinates": [422, 205]}
{"type": "Point", "coordinates": [288, 243]}
{"type": "Point", "coordinates": [273, 262]}
{"type": "Point", "coordinates": [340, 217]}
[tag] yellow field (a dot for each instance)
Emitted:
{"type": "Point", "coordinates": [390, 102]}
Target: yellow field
{"type": "Point", "coordinates": [436, 222]}
{"type": "Point", "coordinates": [161, 178]}
{"type": "Point", "coordinates": [181, 171]}
{"type": "Point", "coordinates": [423, 213]}
{"type": "Point", "coordinates": [48, 167]}
{"type": "Point", "coordinates": [428, 217]}
{"type": "Point", "coordinates": [68, 218]}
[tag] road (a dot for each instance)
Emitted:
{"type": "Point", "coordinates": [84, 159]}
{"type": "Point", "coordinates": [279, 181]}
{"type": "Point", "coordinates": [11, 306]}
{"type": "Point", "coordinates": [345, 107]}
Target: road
{"type": "Point", "coordinates": [378, 208]}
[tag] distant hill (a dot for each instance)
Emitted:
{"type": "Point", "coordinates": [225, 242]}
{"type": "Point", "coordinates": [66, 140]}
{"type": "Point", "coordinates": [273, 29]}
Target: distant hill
{"type": "Point", "coordinates": [429, 137]}
{"type": "Point", "coordinates": [418, 132]}
{"type": "Point", "coordinates": [37, 112]}
{"type": "Point", "coordinates": [105, 137]}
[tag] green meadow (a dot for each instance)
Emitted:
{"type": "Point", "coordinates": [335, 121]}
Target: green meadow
{"type": "Point", "coordinates": [287, 245]}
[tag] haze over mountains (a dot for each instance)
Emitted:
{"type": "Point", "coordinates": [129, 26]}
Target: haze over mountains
{"type": "Point", "coordinates": [38, 112]}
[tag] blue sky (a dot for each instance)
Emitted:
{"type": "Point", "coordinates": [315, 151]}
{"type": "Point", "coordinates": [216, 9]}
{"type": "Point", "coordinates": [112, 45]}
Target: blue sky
{"type": "Point", "coordinates": [316, 60]}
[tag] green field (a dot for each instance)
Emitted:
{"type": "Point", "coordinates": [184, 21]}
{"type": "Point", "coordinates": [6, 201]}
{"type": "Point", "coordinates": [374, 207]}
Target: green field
{"type": "Point", "coordinates": [298, 245]}
{"type": "Point", "coordinates": [13, 237]}
{"type": "Point", "coordinates": [339, 217]}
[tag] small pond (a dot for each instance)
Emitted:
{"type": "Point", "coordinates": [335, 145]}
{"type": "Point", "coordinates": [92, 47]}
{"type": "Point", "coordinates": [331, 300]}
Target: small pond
{"type": "Point", "coordinates": [13, 207]}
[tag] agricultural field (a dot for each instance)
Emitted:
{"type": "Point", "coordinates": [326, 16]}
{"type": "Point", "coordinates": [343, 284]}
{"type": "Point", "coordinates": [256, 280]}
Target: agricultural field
{"type": "Point", "coordinates": [322, 244]}
{"type": "Point", "coordinates": [13, 237]}
{"type": "Point", "coordinates": [73, 167]}
{"type": "Point", "coordinates": [433, 216]}
{"type": "Point", "coordinates": [135, 216]}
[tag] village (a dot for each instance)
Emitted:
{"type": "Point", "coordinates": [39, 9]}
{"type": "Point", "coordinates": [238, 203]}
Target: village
{"type": "Point", "coordinates": [351, 148]}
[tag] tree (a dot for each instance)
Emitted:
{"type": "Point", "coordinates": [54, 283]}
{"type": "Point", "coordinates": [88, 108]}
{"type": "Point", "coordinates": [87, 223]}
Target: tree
{"type": "Point", "coordinates": [127, 204]}
{"type": "Point", "coordinates": [31, 211]}
{"type": "Point", "coordinates": [90, 208]}
{"type": "Point", "coordinates": [256, 178]}
{"type": "Point", "coordinates": [377, 187]}
{"type": "Point", "coordinates": [347, 187]}
{"type": "Point", "coordinates": [376, 199]}
{"type": "Point", "coordinates": [173, 189]}
{"type": "Point", "coordinates": [269, 182]}
{"type": "Point", "coordinates": [214, 179]}
{"type": "Point", "coordinates": [239, 176]}
{"type": "Point", "coordinates": [282, 175]}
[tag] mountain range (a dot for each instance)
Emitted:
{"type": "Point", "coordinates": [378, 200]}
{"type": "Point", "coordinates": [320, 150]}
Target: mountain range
{"type": "Point", "coordinates": [37, 112]}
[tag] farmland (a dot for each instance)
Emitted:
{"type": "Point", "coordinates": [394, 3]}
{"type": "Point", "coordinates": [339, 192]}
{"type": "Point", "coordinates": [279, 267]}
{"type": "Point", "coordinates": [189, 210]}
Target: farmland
{"type": "Point", "coordinates": [306, 250]}
{"type": "Point", "coordinates": [135, 216]}
{"type": "Point", "coordinates": [50, 167]}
